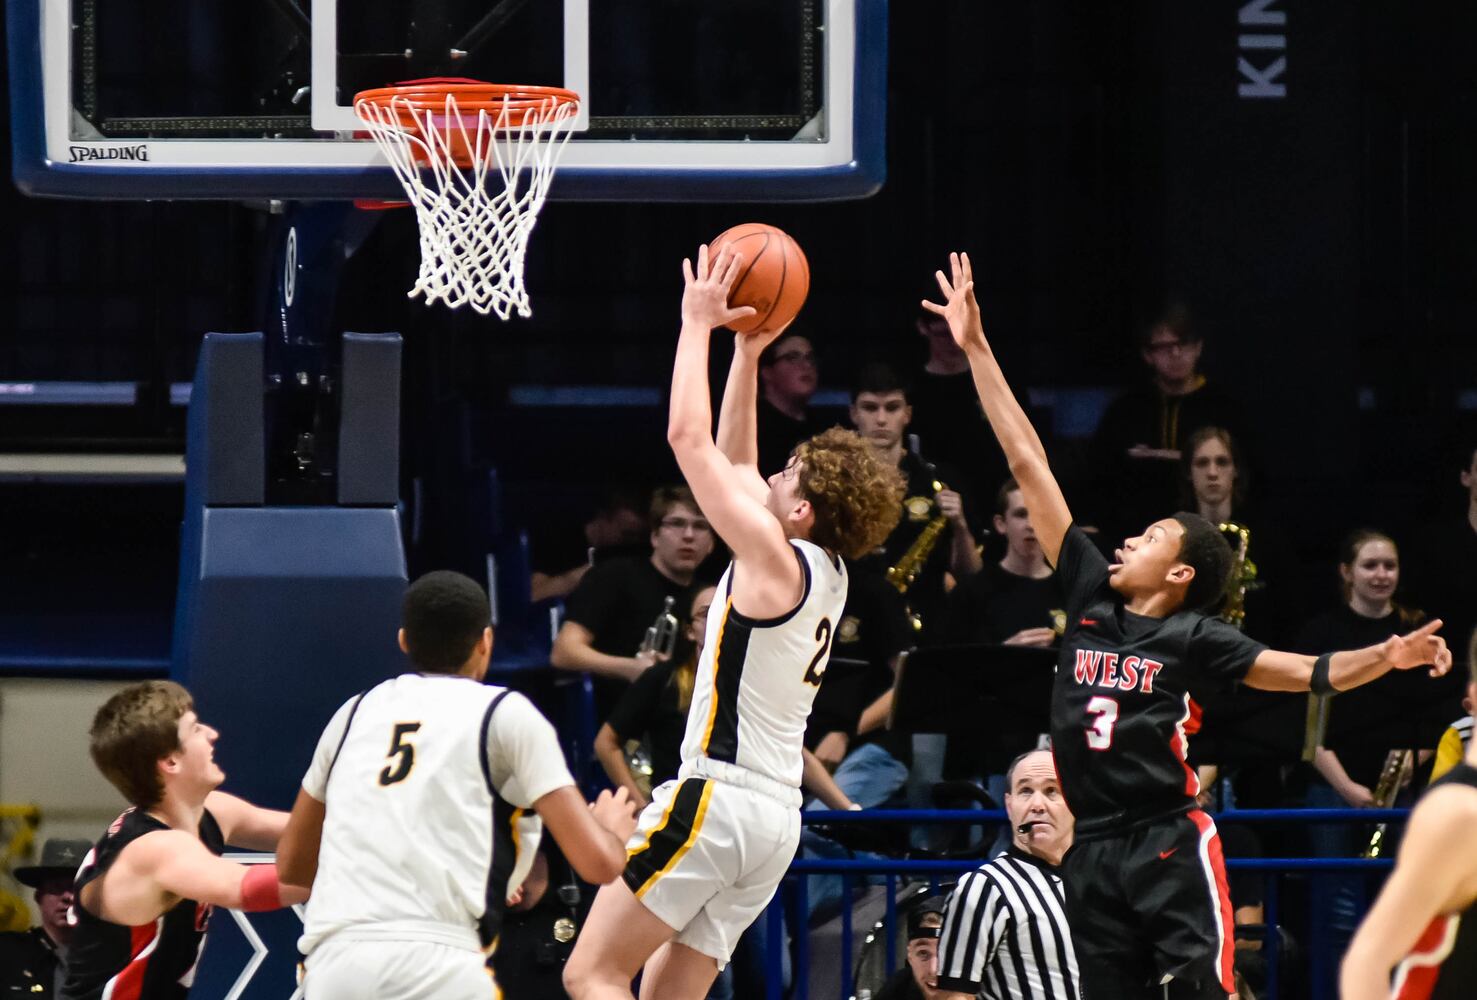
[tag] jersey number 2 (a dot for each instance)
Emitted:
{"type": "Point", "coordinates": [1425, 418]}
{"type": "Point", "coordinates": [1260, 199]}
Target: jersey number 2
{"type": "Point", "coordinates": [402, 752]}
{"type": "Point", "coordinates": [1105, 712]}
{"type": "Point", "coordinates": [817, 669]}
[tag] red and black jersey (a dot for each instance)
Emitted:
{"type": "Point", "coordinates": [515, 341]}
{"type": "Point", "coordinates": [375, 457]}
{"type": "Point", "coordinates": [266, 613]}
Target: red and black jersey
{"type": "Point", "coordinates": [1124, 700]}
{"type": "Point", "coordinates": [1443, 963]}
{"type": "Point", "coordinates": [155, 961]}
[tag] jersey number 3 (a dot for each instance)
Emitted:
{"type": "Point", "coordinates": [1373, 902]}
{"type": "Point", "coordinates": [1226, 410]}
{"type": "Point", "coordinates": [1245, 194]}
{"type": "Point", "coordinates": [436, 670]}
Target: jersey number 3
{"type": "Point", "coordinates": [402, 753]}
{"type": "Point", "coordinates": [1105, 715]}
{"type": "Point", "coordinates": [817, 669]}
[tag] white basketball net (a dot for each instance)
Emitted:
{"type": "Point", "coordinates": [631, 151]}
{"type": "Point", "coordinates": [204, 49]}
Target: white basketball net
{"type": "Point", "coordinates": [473, 236]}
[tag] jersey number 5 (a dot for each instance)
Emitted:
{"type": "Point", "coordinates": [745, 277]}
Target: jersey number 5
{"type": "Point", "coordinates": [817, 669]}
{"type": "Point", "coordinates": [1105, 713]}
{"type": "Point", "coordinates": [402, 752]}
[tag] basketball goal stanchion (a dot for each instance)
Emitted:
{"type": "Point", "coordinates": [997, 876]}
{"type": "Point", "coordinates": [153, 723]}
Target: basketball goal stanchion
{"type": "Point", "coordinates": [475, 160]}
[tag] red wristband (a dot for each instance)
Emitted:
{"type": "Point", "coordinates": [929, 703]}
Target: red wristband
{"type": "Point", "coordinates": [261, 889]}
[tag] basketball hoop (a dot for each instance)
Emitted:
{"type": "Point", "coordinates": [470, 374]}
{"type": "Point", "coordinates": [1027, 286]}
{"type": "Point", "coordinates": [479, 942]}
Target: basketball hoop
{"type": "Point", "coordinates": [444, 137]}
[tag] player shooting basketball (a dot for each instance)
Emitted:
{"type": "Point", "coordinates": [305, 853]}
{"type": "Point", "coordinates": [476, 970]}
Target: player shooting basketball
{"type": "Point", "coordinates": [1145, 884]}
{"type": "Point", "coordinates": [709, 851]}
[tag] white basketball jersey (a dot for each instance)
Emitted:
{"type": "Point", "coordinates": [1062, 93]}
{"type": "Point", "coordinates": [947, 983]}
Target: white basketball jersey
{"type": "Point", "coordinates": [427, 780]}
{"type": "Point", "coordinates": [757, 678]}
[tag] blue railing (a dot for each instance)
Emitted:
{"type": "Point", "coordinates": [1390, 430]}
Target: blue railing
{"type": "Point", "coordinates": [793, 896]}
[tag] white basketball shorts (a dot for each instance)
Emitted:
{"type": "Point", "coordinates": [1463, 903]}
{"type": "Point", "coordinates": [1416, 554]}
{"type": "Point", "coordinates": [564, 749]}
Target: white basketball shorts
{"type": "Point", "coordinates": [396, 970]}
{"type": "Point", "coordinates": [707, 856]}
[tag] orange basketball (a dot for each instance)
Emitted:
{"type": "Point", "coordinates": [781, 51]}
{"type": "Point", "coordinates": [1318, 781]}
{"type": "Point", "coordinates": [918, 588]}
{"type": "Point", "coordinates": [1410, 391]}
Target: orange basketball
{"type": "Point", "coordinates": [774, 277]}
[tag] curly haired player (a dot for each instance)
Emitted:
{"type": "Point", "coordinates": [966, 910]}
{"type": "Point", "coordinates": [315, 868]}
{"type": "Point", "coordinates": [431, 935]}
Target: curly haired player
{"type": "Point", "coordinates": [709, 851]}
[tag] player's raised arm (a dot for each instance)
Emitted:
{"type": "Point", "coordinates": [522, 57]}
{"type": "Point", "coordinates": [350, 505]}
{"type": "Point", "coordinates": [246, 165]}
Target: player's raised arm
{"type": "Point", "coordinates": [1018, 439]}
{"type": "Point", "coordinates": [1275, 670]}
{"type": "Point", "coordinates": [740, 519]}
{"type": "Point", "coordinates": [737, 419]}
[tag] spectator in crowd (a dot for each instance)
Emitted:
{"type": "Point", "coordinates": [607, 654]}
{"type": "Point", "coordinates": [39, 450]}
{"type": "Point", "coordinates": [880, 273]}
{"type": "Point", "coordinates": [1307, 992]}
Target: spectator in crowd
{"type": "Point", "coordinates": [1014, 601]}
{"type": "Point", "coordinates": [31, 961]}
{"type": "Point", "coordinates": [881, 414]}
{"type": "Point", "coordinates": [1216, 484]}
{"type": "Point", "coordinates": [1441, 573]}
{"type": "Point", "coordinates": [560, 561]}
{"type": "Point", "coordinates": [1348, 765]}
{"type": "Point", "coordinates": [919, 981]}
{"type": "Point", "coordinates": [1139, 443]}
{"type": "Point", "coordinates": [788, 377]}
{"type": "Point", "coordinates": [654, 710]}
{"type": "Point", "coordinates": [1005, 930]}
{"type": "Point", "coordinates": [609, 612]}
{"type": "Point", "coordinates": [947, 416]}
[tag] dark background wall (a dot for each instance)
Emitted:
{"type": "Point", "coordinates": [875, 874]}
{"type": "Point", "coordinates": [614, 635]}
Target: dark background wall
{"type": "Point", "coordinates": [1093, 157]}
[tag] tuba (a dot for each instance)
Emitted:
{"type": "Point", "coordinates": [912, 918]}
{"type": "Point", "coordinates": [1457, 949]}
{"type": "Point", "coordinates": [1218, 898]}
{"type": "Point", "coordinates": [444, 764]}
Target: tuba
{"type": "Point", "coordinates": [1243, 575]}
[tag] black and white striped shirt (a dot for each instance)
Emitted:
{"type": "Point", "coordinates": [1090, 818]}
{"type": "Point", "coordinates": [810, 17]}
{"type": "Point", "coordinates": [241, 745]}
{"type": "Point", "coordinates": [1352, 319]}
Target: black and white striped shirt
{"type": "Point", "coordinates": [1005, 933]}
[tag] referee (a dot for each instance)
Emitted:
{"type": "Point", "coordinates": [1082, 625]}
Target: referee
{"type": "Point", "coordinates": [1005, 932]}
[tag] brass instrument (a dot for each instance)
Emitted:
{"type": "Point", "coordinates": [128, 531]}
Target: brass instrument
{"type": "Point", "coordinates": [1243, 576]}
{"type": "Point", "coordinates": [902, 575]}
{"type": "Point", "coordinates": [1393, 776]}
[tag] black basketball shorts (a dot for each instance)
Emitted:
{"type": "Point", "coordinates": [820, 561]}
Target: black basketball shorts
{"type": "Point", "coordinates": [1150, 907]}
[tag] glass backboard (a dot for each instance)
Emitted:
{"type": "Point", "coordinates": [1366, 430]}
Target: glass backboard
{"type": "Point", "coordinates": [744, 100]}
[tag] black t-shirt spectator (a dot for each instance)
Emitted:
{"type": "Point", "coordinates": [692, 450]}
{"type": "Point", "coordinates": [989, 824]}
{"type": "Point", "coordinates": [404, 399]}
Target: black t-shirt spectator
{"type": "Point", "coordinates": [778, 434]}
{"type": "Point", "coordinates": [618, 600]}
{"type": "Point", "coordinates": [952, 430]}
{"type": "Point", "coordinates": [872, 631]}
{"type": "Point", "coordinates": [1134, 492]}
{"type": "Point", "coordinates": [926, 596]}
{"type": "Point", "coordinates": [1360, 720]}
{"type": "Point", "coordinates": [995, 604]}
{"type": "Point", "coordinates": [649, 711]}
{"type": "Point", "coordinates": [1124, 698]}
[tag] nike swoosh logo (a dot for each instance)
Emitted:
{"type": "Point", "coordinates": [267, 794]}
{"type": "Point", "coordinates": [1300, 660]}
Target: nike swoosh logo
{"type": "Point", "coordinates": [1165, 854]}
{"type": "Point", "coordinates": [1088, 621]}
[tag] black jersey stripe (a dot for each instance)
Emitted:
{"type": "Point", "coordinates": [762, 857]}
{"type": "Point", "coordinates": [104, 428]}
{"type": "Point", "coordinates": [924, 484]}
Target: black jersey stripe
{"type": "Point", "coordinates": [344, 735]}
{"type": "Point", "coordinates": [505, 818]}
{"type": "Point", "coordinates": [672, 838]}
{"type": "Point", "coordinates": [721, 741]}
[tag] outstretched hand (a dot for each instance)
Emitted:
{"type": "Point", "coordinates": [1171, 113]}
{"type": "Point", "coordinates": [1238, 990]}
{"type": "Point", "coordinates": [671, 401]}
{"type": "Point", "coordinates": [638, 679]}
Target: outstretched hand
{"type": "Point", "coordinates": [705, 299]}
{"type": "Point", "coordinates": [960, 309]}
{"type": "Point", "coordinates": [1418, 648]}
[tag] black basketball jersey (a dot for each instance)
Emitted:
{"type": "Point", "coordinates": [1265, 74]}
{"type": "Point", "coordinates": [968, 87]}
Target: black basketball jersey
{"type": "Point", "coordinates": [1443, 963]}
{"type": "Point", "coordinates": [1125, 697]}
{"type": "Point", "coordinates": [155, 961]}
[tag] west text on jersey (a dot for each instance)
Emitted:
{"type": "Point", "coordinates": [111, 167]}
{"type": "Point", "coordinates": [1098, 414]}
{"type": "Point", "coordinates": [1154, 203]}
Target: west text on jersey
{"type": "Point", "coordinates": [1097, 668]}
